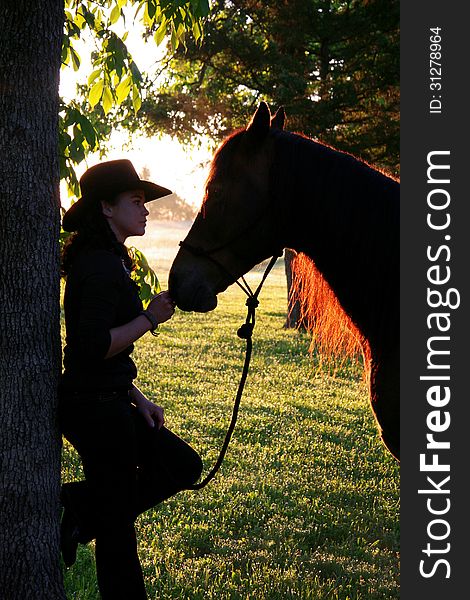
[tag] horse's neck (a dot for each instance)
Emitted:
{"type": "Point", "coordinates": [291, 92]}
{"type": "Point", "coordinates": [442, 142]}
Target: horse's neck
{"type": "Point", "coordinates": [344, 216]}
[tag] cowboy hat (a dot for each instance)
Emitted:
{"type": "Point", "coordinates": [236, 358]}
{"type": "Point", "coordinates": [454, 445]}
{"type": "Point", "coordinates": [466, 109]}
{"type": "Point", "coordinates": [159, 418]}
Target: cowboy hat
{"type": "Point", "coordinates": [104, 181]}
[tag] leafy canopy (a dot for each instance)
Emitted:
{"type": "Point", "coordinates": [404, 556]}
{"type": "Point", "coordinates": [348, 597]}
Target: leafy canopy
{"type": "Point", "coordinates": [115, 83]}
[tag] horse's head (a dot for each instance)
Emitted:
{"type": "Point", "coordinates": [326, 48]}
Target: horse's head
{"type": "Point", "coordinates": [236, 227]}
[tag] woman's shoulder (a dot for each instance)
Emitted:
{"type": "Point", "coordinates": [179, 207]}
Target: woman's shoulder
{"type": "Point", "coordinates": [98, 262]}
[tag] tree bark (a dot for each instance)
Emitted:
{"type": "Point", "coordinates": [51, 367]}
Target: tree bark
{"type": "Point", "coordinates": [293, 319]}
{"type": "Point", "coordinates": [30, 54]}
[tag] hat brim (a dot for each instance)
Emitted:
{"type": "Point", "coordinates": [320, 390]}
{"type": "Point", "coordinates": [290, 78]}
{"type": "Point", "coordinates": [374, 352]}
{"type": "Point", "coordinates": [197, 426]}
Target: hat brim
{"type": "Point", "coordinates": [73, 216]}
{"type": "Point", "coordinates": [153, 191]}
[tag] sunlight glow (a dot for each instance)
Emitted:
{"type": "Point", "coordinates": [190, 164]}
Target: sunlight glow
{"type": "Point", "coordinates": [170, 164]}
{"type": "Point", "coordinates": [180, 168]}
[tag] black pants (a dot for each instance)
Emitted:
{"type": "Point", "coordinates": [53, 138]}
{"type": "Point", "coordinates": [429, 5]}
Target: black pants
{"type": "Point", "coordinates": [129, 467]}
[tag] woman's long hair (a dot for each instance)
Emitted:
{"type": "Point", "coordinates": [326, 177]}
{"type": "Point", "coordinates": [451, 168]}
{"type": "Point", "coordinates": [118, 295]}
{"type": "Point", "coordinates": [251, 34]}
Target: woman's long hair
{"type": "Point", "coordinates": [94, 232]}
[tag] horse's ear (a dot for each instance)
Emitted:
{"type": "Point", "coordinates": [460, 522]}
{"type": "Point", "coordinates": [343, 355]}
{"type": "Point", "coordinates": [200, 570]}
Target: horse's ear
{"type": "Point", "coordinates": [277, 122]}
{"type": "Point", "coordinates": [260, 122]}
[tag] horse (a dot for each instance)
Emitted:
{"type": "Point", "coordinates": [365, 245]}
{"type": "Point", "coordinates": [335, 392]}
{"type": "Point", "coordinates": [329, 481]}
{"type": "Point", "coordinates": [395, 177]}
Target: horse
{"type": "Point", "coordinates": [270, 189]}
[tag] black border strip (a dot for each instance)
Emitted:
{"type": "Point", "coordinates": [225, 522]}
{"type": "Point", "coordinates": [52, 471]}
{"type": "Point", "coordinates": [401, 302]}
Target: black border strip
{"type": "Point", "coordinates": [435, 230]}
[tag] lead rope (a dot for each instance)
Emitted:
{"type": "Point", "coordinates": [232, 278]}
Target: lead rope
{"type": "Point", "coordinates": [245, 332]}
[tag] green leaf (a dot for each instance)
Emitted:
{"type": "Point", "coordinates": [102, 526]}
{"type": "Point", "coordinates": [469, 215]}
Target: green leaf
{"type": "Point", "coordinates": [65, 58]}
{"type": "Point", "coordinates": [151, 9]}
{"type": "Point", "coordinates": [107, 100]}
{"type": "Point", "coordinates": [136, 99]}
{"type": "Point", "coordinates": [144, 276]}
{"type": "Point", "coordinates": [204, 8]}
{"type": "Point", "coordinates": [145, 291]}
{"type": "Point", "coordinates": [95, 93]}
{"type": "Point", "coordinates": [115, 14]}
{"type": "Point", "coordinates": [93, 75]}
{"type": "Point", "coordinates": [88, 131]}
{"type": "Point", "coordinates": [78, 137]}
{"type": "Point", "coordinates": [136, 74]}
{"type": "Point", "coordinates": [71, 117]}
{"type": "Point", "coordinates": [196, 31]}
{"type": "Point", "coordinates": [79, 20]}
{"type": "Point", "coordinates": [123, 89]}
{"type": "Point", "coordinates": [174, 40]}
{"type": "Point", "coordinates": [75, 59]}
{"type": "Point", "coordinates": [148, 14]}
{"type": "Point", "coordinates": [159, 35]}
{"type": "Point", "coordinates": [77, 151]}
{"type": "Point", "coordinates": [63, 237]}
{"type": "Point", "coordinates": [88, 16]}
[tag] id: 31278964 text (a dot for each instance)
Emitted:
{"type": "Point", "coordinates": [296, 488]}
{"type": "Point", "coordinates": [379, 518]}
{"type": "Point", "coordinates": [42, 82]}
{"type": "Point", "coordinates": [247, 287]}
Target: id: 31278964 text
{"type": "Point", "coordinates": [435, 70]}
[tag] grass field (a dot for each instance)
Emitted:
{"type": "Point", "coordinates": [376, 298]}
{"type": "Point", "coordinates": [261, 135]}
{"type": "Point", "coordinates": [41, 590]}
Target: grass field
{"type": "Point", "coordinates": [306, 504]}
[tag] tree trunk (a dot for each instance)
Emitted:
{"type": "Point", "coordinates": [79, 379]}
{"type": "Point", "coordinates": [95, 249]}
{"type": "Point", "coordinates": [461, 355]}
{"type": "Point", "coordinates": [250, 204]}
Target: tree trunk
{"type": "Point", "coordinates": [30, 52]}
{"type": "Point", "coordinates": [293, 319]}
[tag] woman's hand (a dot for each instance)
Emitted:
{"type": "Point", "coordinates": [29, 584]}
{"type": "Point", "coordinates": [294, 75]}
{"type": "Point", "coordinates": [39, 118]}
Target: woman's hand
{"type": "Point", "coordinates": [151, 412]}
{"type": "Point", "coordinates": [162, 307]}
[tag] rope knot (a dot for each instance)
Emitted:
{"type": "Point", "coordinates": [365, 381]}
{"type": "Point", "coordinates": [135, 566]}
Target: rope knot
{"type": "Point", "coordinates": [252, 302]}
{"type": "Point", "coordinates": [245, 331]}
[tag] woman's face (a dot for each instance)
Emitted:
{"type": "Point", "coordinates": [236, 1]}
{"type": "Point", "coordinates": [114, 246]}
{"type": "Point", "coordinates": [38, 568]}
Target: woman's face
{"type": "Point", "coordinates": [128, 216]}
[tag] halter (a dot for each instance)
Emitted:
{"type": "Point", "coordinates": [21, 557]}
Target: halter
{"type": "Point", "coordinates": [244, 332]}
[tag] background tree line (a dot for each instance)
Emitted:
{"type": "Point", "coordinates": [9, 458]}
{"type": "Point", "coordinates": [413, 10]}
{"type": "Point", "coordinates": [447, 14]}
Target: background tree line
{"type": "Point", "coordinates": [333, 65]}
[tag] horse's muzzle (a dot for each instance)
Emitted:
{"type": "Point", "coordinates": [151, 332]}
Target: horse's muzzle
{"type": "Point", "coordinates": [191, 296]}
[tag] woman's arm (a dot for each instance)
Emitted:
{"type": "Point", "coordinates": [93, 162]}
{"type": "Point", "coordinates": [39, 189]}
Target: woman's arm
{"type": "Point", "coordinates": [162, 307]}
{"type": "Point", "coordinates": [124, 335]}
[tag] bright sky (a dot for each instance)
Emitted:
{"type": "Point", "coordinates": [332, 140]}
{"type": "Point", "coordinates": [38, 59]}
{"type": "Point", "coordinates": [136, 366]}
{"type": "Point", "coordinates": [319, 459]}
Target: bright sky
{"type": "Point", "coordinates": [170, 164]}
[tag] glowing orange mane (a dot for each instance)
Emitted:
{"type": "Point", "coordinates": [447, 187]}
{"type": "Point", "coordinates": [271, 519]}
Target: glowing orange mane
{"type": "Point", "coordinates": [334, 335]}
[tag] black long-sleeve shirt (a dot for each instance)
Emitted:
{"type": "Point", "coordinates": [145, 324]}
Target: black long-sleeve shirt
{"type": "Point", "coordinates": [99, 295]}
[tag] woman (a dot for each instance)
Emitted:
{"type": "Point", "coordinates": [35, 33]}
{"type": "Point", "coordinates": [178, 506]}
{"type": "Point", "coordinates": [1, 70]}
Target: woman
{"type": "Point", "coordinates": [130, 460]}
